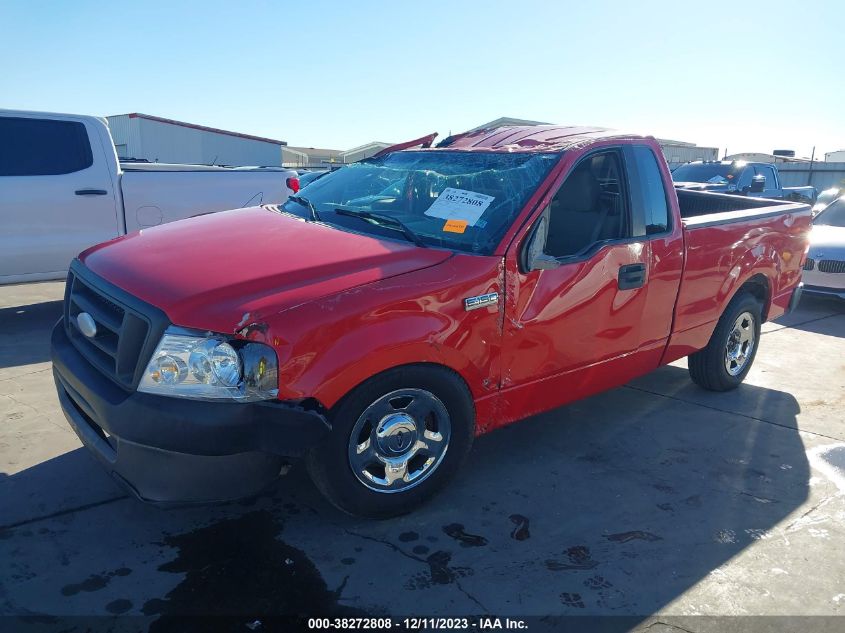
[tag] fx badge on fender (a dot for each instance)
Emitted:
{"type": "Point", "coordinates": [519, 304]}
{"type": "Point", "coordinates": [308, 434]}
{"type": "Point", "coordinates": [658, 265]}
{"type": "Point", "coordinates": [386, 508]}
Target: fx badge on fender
{"type": "Point", "coordinates": [481, 301]}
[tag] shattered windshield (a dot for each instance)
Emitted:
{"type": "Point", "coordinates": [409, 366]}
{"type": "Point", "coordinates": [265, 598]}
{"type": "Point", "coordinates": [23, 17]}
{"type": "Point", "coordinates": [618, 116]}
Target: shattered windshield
{"type": "Point", "coordinates": [459, 200]}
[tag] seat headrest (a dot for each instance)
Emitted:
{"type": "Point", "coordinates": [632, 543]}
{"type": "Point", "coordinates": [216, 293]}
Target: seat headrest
{"type": "Point", "coordinates": [580, 191]}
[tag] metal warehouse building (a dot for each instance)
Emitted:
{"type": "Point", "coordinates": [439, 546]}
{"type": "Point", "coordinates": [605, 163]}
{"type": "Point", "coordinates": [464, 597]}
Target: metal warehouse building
{"type": "Point", "coordinates": [314, 158]}
{"type": "Point", "coordinates": [152, 138]}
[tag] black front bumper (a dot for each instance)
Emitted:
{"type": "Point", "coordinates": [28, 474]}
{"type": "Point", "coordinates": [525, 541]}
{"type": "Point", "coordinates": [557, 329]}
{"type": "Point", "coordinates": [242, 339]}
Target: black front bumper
{"type": "Point", "coordinates": [179, 450]}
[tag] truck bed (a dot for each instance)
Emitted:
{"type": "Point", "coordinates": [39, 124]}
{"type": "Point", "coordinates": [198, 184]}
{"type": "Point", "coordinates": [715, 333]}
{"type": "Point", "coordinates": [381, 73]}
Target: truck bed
{"type": "Point", "coordinates": [702, 208]}
{"type": "Point", "coordinates": [156, 194]}
{"type": "Point", "coordinates": [726, 237]}
{"type": "Point", "coordinates": [144, 166]}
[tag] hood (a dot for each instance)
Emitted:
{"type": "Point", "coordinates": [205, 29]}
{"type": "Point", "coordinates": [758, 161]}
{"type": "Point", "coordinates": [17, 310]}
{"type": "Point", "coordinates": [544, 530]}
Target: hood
{"type": "Point", "coordinates": [223, 271]}
{"type": "Point", "coordinates": [827, 242]}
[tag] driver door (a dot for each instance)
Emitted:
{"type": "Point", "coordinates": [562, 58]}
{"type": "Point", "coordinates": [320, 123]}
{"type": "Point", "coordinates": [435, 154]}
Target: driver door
{"type": "Point", "coordinates": [574, 328]}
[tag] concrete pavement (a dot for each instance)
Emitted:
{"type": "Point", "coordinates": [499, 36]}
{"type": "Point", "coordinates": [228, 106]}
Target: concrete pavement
{"type": "Point", "coordinates": [656, 500]}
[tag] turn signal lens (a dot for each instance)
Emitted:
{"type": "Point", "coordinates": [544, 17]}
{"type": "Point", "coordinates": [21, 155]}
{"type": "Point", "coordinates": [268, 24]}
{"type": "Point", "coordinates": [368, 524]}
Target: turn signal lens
{"type": "Point", "coordinates": [168, 370]}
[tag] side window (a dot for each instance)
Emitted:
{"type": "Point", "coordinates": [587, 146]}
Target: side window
{"type": "Point", "coordinates": [590, 206]}
{"type": "Point", "coordinates": [648, 194]}
{"type": "Point", "coordinates": [769, 173]}
{"type": "Point", "coordinates": [745, 178]}
{"type": "Point", "coordinates": [42, 147]}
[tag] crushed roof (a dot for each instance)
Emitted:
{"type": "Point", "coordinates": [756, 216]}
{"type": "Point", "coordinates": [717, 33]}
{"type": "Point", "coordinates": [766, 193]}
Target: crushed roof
{"type": "Point", "coordinates": [533, 138]}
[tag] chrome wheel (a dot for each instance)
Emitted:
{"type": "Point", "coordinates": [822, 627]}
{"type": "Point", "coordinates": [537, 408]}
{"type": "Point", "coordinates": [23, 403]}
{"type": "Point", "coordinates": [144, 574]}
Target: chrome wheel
{"type": "Point", "coordinates": [740, 344]}
{"type": "Point", "coordinates": [399, 440]}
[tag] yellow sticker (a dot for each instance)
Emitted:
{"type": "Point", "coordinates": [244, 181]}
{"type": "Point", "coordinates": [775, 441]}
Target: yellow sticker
{"type": "Point", "coordinates": [455, 226]}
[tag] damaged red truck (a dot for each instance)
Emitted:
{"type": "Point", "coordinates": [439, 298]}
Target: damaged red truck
{"type": "Point", "coordinates": [403, 305]}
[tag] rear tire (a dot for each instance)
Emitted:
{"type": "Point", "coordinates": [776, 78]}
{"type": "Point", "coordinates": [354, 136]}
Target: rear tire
{"type": "Point", "coordinates": [727, 359]}
{"type": "Point", "coordinates": [406, 418]}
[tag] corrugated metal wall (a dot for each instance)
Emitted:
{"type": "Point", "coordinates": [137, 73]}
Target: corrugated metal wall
{"type": "Point", "coordinates": [822, 176]}
{"type": "Point", "coordinates": [680, 154]}
{"type": "Point", "coordinates": [168, 143]}
{"type": "Point", "coordinates": [120, 128]}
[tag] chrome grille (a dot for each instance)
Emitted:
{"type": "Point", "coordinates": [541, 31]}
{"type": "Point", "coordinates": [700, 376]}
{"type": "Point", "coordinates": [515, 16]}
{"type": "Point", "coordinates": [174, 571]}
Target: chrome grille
{"type": "Point", "coordinates": [831, 266]}
{"type": "Point", "coordinates": [809, 264]}
{"type": "Point", "coordinates": [121, 334]}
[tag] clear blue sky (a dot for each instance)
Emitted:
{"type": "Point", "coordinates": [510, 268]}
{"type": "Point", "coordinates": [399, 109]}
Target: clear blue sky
{"type": "Point", "coordinates": [749, 76]}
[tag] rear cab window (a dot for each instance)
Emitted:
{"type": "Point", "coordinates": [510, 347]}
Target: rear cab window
{"type": "Point", "coordinates": [43, 147]}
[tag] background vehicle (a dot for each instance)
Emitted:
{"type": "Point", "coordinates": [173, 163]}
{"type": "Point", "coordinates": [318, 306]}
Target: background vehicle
{"type": "Point", "coordinates": [310, 176]}
{"type": "Point", "coordinates": [62, 190]}
{"type": "Point", "coordinates": [423, 297]}
{"type": "Point", "coordinates": [824, 270]}
{"type": "Point", "coordinates": [825, 198]}
{"type": "Point", "coordinates": [760, 180]}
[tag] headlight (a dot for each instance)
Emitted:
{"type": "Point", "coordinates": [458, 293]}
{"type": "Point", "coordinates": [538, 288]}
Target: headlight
{"type": "Point", "coordinates": [212, 367]}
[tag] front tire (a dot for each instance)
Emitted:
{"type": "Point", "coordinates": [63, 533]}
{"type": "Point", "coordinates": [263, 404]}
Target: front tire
{"type": "Point", "coordinates": [727, 359]}
{"type": "Point", "coordinates": [396, 439]}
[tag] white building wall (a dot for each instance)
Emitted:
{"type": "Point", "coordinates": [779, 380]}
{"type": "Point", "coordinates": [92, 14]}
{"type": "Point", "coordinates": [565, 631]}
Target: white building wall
{"type": "Point", "coordinates": [119, 127]}
{"type": "Point", "coordinates": [364, 151]}
{"type": "Point", "coordinates": [684, 153]}
{"type": "Point", "coordinates": [161, 142]}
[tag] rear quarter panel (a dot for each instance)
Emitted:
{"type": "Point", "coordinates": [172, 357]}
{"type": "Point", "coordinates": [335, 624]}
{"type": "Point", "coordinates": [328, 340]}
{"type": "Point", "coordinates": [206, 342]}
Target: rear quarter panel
{"type": "Point", "coordinates": [721, 257]}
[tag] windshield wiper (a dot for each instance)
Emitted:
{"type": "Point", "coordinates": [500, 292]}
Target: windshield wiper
{"type": "Point", "coordinates": [305, 202]}
{"type": "Point", "coordinates": [392, 223]}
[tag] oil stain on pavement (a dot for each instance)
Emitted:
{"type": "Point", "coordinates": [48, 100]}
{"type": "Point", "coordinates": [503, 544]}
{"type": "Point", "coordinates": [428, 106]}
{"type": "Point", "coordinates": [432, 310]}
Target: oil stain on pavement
{"type": "Point", "coordinates": [624, 537]}
{"type": "Point", "coordinates": [520, 531]}
{"type": "Point", "coordinates": [457, 532]}
{"type": "Point", "coordinates": [579, 558]}
{"type": "Point", "coordinates": [439, 572]}
{"type": "Point", "coordinates": [94, 582]}
{"type": "Point", "coordinates": [238, 567]}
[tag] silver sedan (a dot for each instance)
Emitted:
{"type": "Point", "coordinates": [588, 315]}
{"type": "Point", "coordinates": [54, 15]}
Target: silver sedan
{"type": "Point", "coordinates": [824, 270]}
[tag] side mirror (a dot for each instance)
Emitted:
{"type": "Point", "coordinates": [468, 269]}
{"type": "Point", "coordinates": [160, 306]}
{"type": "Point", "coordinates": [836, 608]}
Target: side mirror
{"type": "Point", "coordinates": [758, 183]}
{"type": "Point", "coordinates": [535, 258]}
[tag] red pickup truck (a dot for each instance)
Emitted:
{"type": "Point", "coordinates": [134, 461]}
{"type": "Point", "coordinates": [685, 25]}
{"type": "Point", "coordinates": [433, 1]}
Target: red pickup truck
{"type": "Point", "coordinates": [399, 307]}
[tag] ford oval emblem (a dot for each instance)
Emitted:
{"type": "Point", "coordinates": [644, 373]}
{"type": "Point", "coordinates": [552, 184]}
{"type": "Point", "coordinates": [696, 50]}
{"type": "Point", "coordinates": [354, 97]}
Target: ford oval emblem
{"type": "Point", "coordinates": [87, 324]}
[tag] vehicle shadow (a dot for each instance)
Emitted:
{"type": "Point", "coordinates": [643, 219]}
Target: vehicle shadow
{"type": "Point", "coordinates": [618, 505]}
{"type": "Point", "coordinates": [813, 315]}
{"type": "Point", "coordinates": [25, 333]}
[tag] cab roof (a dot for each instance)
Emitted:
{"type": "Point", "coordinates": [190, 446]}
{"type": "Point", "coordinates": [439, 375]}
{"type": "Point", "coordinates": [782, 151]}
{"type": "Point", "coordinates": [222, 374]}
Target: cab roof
{"type": "Point", "coordinates": [531, 138]}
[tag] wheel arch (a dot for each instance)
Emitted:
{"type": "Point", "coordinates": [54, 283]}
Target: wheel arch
{"type": "Point", "coordinates": [429, 365]}
{"type": "Point", "coordinates": [760, 287]}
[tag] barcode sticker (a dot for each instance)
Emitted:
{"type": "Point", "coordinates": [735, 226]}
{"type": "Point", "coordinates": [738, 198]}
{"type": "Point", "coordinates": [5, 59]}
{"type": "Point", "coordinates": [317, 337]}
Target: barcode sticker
{"type": "Point", "coordinates": [460, 204]}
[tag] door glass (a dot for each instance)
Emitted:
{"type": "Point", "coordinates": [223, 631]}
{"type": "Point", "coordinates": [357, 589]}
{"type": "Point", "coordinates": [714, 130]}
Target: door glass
{"type": "Point", "coordinates": [745, 179]}
{"type": "Point", "coordinates": [769, 173]}
{"type": "Point", "coordinates": [648, 192]}
{"type": "Point", "coordinates": [589, 207]}
{"type": "Point", "coordinates": [42, 147]}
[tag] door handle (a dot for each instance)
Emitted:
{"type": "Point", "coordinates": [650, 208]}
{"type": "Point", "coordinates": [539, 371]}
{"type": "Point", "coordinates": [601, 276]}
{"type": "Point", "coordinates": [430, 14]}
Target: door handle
{"type": "Point", "coordinates": [91, 192]}
{"type": "Point", "coordinates": [631, 276]}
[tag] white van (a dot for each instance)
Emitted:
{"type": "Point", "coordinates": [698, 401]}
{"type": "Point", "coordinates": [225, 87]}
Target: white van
{"type": "Point", "coordinates": [62, 190]}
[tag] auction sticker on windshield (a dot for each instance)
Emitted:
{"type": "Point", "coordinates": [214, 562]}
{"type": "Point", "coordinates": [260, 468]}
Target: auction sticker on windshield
{"type": "Point", "coordinates": [455, 226]}
{"type": "Point", "coordinates": [459, 204]}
